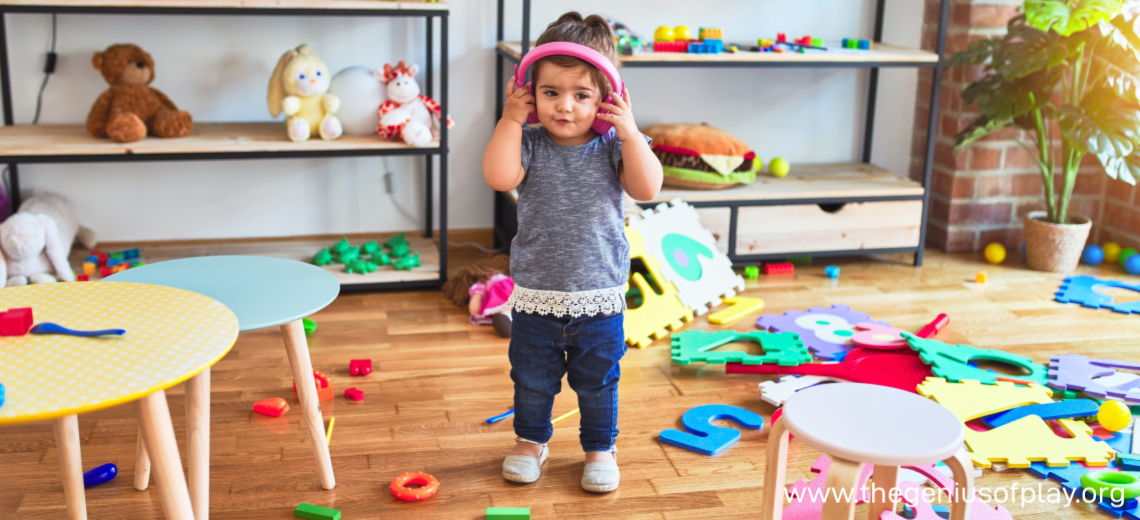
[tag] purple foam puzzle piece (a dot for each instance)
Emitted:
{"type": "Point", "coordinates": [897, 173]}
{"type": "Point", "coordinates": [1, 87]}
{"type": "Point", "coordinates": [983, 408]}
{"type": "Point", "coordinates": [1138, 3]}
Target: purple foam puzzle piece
{"type": "Point", "coordinates": [821, 341]}
{"type": "Point", "coordinates": [1076, 372]}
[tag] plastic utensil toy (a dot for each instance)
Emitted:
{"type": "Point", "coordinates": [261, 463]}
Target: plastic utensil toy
{"type": "Point", "coordinates": [99, 475]}
{"type": "Point", "coordinates": [52, 328]}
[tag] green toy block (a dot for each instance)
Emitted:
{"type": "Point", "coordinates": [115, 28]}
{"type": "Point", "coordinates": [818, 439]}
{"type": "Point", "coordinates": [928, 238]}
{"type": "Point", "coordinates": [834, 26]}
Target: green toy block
{"type": "Point", "coordinates": [408, 262]}
{"type": "Point", "coordinates": [800, 261]}
{"type": "Point", "coordinates": [323, 257]}
{"type": "Point", "coordinates": [342, 246]}
{"type": "Point", "coordinates": [349, 255]}
{"type": "Point", "coordinates": [370, 247]}
{"type": "Point", "coordinates": [752, 272]}
{"type": "Point", "coordinates": [508, 513]}
{"type": "Point", "coordinates": [311, 512]}
{"type": "Point", "coordinates": [784, 348]}
{"type": "Point", "coordinates": [310, 326]}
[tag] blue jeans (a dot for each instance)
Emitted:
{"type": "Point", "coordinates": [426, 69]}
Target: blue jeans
{"type": "Point", "coordinates": [545, 348]}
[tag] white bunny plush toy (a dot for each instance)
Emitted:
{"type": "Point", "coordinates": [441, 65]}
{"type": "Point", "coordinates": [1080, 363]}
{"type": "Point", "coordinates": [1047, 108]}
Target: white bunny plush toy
{"type": "Point", "coordinates": [299, 87]}
{"type": "Point", "coordinates": [36, 240]}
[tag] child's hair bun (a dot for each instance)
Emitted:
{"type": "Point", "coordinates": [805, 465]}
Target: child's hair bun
{"type": "Point", "coordinates": [592, 31]}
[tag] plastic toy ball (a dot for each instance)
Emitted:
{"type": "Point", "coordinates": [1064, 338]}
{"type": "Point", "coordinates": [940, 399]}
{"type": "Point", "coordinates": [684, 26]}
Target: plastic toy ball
{"type": "Point", "coordinates": [682, 33]}
{"type": "Point", "coordinates": [1093, 255]}
{"type": "Point", "coordinates": [995, 253]}
{"type": "Point", "coordinates": [1113, 416]}
{"type": "Point", "coordinates": [779, 167]}
{"type": "Point", "coordinates": [1111, 252]}
{"type": "Point", "coordinates": [1125, 254]}
{"type": "Point", "coordinates": [663, 34]}
{"type": "Point", "coordinates": [1132, 265]}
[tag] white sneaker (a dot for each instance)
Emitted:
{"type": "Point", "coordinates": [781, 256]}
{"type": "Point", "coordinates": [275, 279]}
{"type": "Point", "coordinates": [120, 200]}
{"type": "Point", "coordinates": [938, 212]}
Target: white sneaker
{"type": "Point", "coordinates": [524, 468]}
{"type": "Point", "coordinates": [601, 477]}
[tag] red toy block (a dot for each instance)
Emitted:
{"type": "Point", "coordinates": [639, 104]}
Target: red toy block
{"type": "Point", "coordinates": [678, 46]}
{"type": "Point", "coordinates": [15, 322]}
{"type": "Point", "coordinates": [273, 407]}
{"type": "Point", "coordinates": [806, 40]}
{"type": "Point", "coordinates": [105, 271]}
{"type": "Point", "coordinates": [781, 37]}
{"type": "Point", "coordinates": [354, 394]}
{"type": "Point", "coordinates": [324, 386]}
{"type": "Point", "coordinates": [360, 367]}
{"type": "Point", "coordinates": [784, 268]}
{"type": "Point", "coordinates": [82, 278]}
{"type": "Point", "coordinates": [101, 255]}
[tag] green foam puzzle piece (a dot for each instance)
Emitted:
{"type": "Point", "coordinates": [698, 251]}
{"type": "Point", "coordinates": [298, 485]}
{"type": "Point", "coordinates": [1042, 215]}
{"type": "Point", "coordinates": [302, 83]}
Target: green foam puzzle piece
{"type": "Point", "coordinates": [311, 512]}
{"type": "Point", "coordinates": [784, 348]}
{"type": "Point", "coordinates": [508, 513]}
{"type": "Point", "coordinates": [950, 361]}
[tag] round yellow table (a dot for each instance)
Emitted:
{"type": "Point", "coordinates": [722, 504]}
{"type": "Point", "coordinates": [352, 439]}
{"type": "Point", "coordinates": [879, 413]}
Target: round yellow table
{"type": "Point", "coordinates": [172, 335]}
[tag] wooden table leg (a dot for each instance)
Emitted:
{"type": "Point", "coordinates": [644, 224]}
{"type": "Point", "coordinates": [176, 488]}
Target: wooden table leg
{"type": "Point", "coordinates": [963, 469]}
{"type": "Point", "coordinates": [142, 464]}
{"type": "Point", "coordinates": [775, 473]}
{"type": "Point", "coordinates": [297, 347]}
{"type": "Point", "coordinates": [198, 442]}
{"type": "Point", "coordinates": [885, 478]}
{"type": "Point", "coordinates": [842, 482]}
{"type": "Point", "coordinates": [67, 442]}
{"type": "Point", "coordinates": [158, 433]}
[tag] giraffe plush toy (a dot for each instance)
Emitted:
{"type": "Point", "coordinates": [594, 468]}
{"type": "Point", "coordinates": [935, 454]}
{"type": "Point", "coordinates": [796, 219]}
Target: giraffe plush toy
{"type": "Point", "coordinates": [407, 115]}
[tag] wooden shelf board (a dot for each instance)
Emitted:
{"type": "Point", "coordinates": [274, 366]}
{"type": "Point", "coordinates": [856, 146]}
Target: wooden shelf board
{"type": "Point", "coordinates": [369, 5]}
{"type": "Point", "coordinates": [294, 249]}
{"type": "Point", "coordinates": [810, 181]}
{"type": "Point", "coordinates": [883, 53]}
{"type": "Point", "coordinates": [68, 140]}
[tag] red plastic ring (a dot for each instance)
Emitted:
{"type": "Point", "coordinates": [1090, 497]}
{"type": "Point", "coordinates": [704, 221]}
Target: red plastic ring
{"type": "Point", "coordinates": [400, 488]}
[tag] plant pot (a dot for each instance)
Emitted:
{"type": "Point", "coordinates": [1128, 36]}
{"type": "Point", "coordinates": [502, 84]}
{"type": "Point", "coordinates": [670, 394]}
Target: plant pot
{"type": "Point", "coordinates": [1054, 247]}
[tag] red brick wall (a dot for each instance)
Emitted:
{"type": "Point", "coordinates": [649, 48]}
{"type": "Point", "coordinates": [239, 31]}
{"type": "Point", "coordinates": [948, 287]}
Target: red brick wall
{"type": "Point", "coordinates": [981, 193]}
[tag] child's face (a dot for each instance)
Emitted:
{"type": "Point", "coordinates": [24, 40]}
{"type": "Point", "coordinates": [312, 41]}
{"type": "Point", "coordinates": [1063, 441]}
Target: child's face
{"type": "Point", "coordinates": [566, 100]}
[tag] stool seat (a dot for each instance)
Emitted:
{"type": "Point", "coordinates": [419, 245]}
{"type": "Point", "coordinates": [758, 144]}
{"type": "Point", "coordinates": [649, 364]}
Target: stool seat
{"type": "Point", "coordinates": [873, 424]}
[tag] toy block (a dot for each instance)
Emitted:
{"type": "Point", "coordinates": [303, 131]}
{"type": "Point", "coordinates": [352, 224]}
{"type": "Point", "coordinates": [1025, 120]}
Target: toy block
{"type": "Point", "coordinates": [711, 34]}
{"type": "Point", "coordinates": [981, 277]}
{"type": "Point", "coordinates": [312, 512]}
{"type": "Point", "coordinates": [817, 42]}
{"type": "Point", "coordinates": [119, 268]}
{"type": "Point", "coordinates": [83, 278]}
{"type": "Point", "coordinates": [89, 268]}
{"type": "Point", "coordinates": [360, 367]}
{"type": "Point", "coordinates": [866, 45]}
{"type": "Point", "coordinates": [112, 262]}
{"type": "Point", "coordinates": [100, 257]}
{"type": "Point", "coordinates": [131, 254]}
{"type": "Point", "coordinates": [707, 47]}
{"type": "Point", "coordinates": [354, 394]}
{"type": "Point", "coordinates": [508, 513]}
{"type": "Point", "coordinates": [136, 263]}
{"type": "Point", "coordinates": [763, 42]}
{"type": "Point", "coordinates": [752, 272]}
{"type": "Point", "coordinates": [93, 259]}
{"type": "Point", "coordinates": [831, 271]}
{"type": "Point", "coordinates": [273, 407]}
{"type": "Point", "coordinates": [800, 261]}
{"type": "Point", "coordinates": [15, 322]}
{"type": "Point", "coordinates": [781, 37]}
{"type": "Point", "coordinates": [324, 386]}
{"type": "Point", "coordinates": [105, 271]}
{"type": "Point", "coordinates": [1128, 462]}
{"type": "Point", "coordinates": [775, 269]}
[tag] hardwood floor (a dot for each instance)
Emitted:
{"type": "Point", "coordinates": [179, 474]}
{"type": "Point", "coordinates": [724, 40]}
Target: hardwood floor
{"type": "Point", "coordinates": [437, 379]}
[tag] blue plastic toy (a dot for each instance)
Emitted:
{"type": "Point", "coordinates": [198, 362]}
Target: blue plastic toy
{"type": "Point", "coordinates": [1093, 254]}
{"type": "Point", "coordinates": [1132, 265]}
{"type": "Point", "coordinates": [100, 475]}
{"type": "Point", "coordinates": [1081, 289]}
{"type": "Point", "coordinates": [500, 417]}
{"type": "Point", "coordinates": [831, 271]}
{"type": "Point", "coordinates": [51, 328]}
{"type": "Point", "coordinates": [1049, 411]}
{"type": "Point", "coordinates": [940, 510]}
{"type": "Point", "coordinates": [705, 438]}
{"type": "Point", "coordinates": [1, 395]}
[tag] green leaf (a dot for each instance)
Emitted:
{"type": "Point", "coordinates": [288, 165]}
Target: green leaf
{"type": "Point", "coordinates": [980, 128]}
{"type": "Point", "coordinates": [1126, 169]}
{"type": "Point", "coordinates": [1026, 50]}
{"type": "Point", "coordinates": [1007, 99]}
{"type": "Point", "coordinates": [1104, 123]}
{"type": "Point", "coordinates": [1066, 17]}
{"type": "Point", "coordinates": [979, 52]}
{"type": "Point", "coordinates": [1117, 65]}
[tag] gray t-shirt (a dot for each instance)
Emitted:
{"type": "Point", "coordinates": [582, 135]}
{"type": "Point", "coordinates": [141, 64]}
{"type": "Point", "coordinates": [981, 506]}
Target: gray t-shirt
{"type": "Point", "coordinates": [570, 255]}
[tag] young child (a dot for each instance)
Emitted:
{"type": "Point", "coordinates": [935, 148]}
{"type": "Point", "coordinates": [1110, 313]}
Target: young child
{"type": "Point", "coordinates": [570, 259]}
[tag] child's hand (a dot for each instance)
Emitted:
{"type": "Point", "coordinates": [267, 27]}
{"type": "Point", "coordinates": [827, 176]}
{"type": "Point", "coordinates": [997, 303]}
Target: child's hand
{"type": "Point", "coordinates": [520, 103]}
{"type": "Point", "coordinates": [621, 116]}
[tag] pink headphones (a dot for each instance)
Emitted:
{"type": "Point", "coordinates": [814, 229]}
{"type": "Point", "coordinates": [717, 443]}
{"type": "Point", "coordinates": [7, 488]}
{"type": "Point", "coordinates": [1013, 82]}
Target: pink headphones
{"type": "Point", "coordinates": [582, 52]}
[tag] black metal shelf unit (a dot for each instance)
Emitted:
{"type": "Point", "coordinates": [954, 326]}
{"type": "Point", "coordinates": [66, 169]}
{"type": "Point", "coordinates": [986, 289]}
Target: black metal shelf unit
{"type": "Point", "coordinates": [506, 217]}
{"type": "Point", "coordinates": [428, 14]}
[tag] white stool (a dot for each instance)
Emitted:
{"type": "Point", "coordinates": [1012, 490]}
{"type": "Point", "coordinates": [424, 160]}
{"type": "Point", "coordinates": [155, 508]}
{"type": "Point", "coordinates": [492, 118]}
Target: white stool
{"type": "Point", "coordinates": [858, 424]}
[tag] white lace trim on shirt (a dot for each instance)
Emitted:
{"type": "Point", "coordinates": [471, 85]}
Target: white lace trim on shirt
{"type": "Point", "coordinates": [576, 304]}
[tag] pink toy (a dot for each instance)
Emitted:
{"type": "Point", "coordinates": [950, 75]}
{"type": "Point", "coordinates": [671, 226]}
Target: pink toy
{"type": "Point", "coordinates": [359, 367]}
{"type": "Point", "coordinates": [904, 371]}
{"type": "Point", "coordinates": [875, 336]}
{"type": "Point", "coordinates": [801, 493]}
{"type": "Point", "coordinates": [979, 510]}
{"type": "Point", "coordinates": [15, 322]}
{"type": "Point", "coordinates": [273, 407]}
{"type": "Point", "coordinates": [583, 53]}
{"type": "Point", "coordinates": [354, 394]}
{"type": "Point", "coordinates": [775, 269]}
{"type": "Point", "coordinates": [490, 298]}
{"type": "Point", "coordinates": [407, 115]}
{"type": "Point", "coordinates": [934, 327]}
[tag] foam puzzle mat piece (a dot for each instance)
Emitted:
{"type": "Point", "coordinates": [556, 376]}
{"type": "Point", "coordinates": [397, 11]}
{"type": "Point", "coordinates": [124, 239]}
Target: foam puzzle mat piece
{"type": "Point", "coordinates": [924, 510]}
{"type": "Point", "coordinates": [658, 313]}
{"type": "Point", "coordinates": [1094, 377]}
{"type": "Point", "coordinates": [783, 349]}
{"type": "Point", "coordinates": [902, 371]}
{"type": "Point", "coordinates": [825, 331]}
{"type": "Point", "coordinates": [739, 307]}
{"type": "Point", "coordinates": [952, 361]}
{"type": "Point", "coordinates": [706, 438]}
{"type": "Point", "coordinates": [800, 493]}
{"type": "Point", "coordinates": [1048, 411]}
{"type": "Point", "coordinates": [1083, 289]}
{"type": "Point", "coordinates": [688, 255]}
{"type": "Point", "coordinates": [776, 392]}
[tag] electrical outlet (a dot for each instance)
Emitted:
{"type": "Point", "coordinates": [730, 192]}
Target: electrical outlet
{"type": "Point", "coordinates": [390, 186]}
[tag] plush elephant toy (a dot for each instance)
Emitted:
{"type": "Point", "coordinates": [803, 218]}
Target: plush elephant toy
{"type": "Point", "coordinates": [35, 241]}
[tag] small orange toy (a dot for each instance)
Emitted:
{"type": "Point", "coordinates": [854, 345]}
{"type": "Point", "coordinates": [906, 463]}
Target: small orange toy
{"type": "Point", "coordinates": [324, 386]}
{"type": "Point", "coordinates": [400, 488]}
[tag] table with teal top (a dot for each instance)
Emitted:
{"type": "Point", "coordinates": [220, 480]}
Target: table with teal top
{"type": "Point", "coordinates": [262, 292]}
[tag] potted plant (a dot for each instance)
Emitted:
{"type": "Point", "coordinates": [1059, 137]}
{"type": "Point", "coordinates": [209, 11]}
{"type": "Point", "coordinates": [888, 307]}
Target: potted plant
{"type": "Point", "coordinates": [1070, 65]}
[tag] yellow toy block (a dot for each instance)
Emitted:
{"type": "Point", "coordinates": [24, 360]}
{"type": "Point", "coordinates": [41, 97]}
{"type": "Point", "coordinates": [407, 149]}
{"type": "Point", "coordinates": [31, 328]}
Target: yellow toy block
{"type": "Point", "coordinates": [711, 34]}
{"type": "Point", "coordinates": [658, 313]}
{"type": "Point", "coordinates": [981, 277]}
{"type": "Point", "coordinates": [1023, 441]}
{"type": "Point", "coordinates": [739, 307]}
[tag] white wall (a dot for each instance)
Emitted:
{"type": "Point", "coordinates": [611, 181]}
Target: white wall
{"type": "Point", "coordinates": [217, 68]}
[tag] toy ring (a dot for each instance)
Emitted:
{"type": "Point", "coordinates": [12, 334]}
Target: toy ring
{"type": "Point", "coordinates": [1105, 483]}
{"type": "Point", "coordinates": [400, 488]}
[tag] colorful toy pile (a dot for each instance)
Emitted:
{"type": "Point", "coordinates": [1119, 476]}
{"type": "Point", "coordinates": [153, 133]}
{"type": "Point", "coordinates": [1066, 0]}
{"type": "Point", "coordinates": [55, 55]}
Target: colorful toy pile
{"type": "Point", "coordinates": [103, 264]}
{"type": "Point", "coordinates": [394, 252]}
{"type": "Point", "coordinates": [679, 39]}
{"type": "Point", "coordinates": [1112, 253]}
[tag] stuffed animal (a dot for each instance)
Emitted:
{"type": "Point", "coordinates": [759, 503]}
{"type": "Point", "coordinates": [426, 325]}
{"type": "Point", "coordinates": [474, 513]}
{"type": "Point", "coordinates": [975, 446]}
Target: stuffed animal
{"type": "Point", "coordinates": [36, 240]}
{"type": "Point", "coordinates": [130, 109]}
{"type": "Point", "coordinates": [407, 115]}
{"type": "Point", "coordinates": [299, 88]}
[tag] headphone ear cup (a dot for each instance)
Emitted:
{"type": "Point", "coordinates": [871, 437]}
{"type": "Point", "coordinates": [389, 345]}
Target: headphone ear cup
{"type": "Point", "coordinates": [529, 88]}
{"type": "Point", "coordinates": [600, 125]}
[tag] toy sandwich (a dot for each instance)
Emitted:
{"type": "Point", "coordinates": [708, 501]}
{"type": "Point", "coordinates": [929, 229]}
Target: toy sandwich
{"type": "Point", "coordinates": [702, 157]}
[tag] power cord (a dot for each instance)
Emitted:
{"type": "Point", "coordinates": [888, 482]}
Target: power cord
{"type": "Point", "coordinates": [396, 203]}
{"type": "Point", "coordinates": [49, 68]}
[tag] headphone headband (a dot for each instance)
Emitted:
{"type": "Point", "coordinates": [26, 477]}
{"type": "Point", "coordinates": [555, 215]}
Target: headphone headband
{"type": "Point", "coordinates": [575, 50]}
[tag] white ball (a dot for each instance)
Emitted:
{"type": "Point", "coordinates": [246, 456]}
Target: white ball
{"type": "Point", "coordinates": [361, 95]}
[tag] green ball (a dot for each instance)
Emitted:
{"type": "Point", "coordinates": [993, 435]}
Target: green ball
{"type": "Point", "coordinates": [779, 167]}
{"type": "Point", "coordinates": [310, 326]}
{"type": "Point", "coordinates": [1124, 254]}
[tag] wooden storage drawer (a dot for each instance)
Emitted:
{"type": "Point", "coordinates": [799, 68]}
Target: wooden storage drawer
{"type": "Point", "coordinates": [807, 227]}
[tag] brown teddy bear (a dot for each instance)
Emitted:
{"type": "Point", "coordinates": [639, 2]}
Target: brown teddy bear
{"type": "Point", "coordinates": [130, 109]}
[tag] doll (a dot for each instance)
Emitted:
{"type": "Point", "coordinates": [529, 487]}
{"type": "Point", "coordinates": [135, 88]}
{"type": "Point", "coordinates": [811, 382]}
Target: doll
{"type": "Point", "coordinates": [484, 289]}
